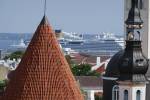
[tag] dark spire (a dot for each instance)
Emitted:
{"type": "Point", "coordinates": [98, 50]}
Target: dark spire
{"type": "Point", "coordinates": [45, 6]}
{"type": "Point", "coordinates": [44, 20]}
{"type": "Point", "coordinates": [134, 22]}
{"type": "Point", "coordinates": [133, 63]}
{"type": "Point", "coordinates": [134, 19]}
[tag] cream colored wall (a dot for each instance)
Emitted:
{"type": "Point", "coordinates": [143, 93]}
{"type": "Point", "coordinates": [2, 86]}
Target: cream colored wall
{"type": "Point", "coordinates": [132, 89]}
{"type": "Point", "coordinates": [121, 92]}
{"type": "Point", "coordinates": [143, 92]}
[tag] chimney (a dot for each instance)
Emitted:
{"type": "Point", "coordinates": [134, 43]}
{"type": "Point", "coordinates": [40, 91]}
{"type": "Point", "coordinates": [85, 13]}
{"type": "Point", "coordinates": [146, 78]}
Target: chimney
{"type": "Point", "coordinates": [98, 61]}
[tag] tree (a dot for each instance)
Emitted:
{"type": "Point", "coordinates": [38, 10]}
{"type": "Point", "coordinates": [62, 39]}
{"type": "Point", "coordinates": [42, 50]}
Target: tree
{"type": "Point", "coordinates": [15, 55]}
{"type": "Point", "coordinates": [83, 70]}
{"type": "Point", "coordinates": [98, 98]}
{"type": "Point", "coordinates": [3, 84]}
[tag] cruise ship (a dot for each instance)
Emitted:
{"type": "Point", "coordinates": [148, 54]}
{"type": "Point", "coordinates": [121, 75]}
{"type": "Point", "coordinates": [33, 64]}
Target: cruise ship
{"type": "Point", "coordinates": [110, 37]}
{"type": "Point", "coordinates": [97, 45]}
{"type": "Point", "coordinates": [106, 45]}
{"type": "Point", "coordinates": [20, 45]}
{"type": "Point", "coordinates": [71, 41]}
{"type": "Point", "coordinates": [69, 38]}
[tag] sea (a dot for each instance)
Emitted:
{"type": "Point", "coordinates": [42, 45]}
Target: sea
{"type": "Point", "coordinates": [91, 45]}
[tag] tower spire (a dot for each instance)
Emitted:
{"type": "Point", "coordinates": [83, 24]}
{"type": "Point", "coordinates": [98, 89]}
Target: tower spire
{"type": "Point", "coordinates": [45, 7]}
{"type": "Point", "coordinates": [134, 22]}
{"type": "Point", "coordinates": [125, 72]}
{"type": "Point", "coordinates": [134, 3]}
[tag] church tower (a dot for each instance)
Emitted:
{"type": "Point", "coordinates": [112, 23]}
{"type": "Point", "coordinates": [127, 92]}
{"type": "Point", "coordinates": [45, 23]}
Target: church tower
{"type": "Point", "coordinates": [144, 6]}
{"type": "Point", "coordinates": [125, 74]}
{"type": "Point", "coordinates": [134, 65]}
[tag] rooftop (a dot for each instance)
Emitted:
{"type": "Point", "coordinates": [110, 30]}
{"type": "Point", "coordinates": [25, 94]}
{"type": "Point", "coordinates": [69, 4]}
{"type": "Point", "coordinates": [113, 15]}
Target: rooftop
{"type": "Point", "coordinates": [43, 73]}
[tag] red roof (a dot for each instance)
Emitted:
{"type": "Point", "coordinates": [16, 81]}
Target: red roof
{"type": "Point", "coordinates": [43, 73]}
{"type": "Point", "coordinates": [101, 69]}
{"type": "Point", "coordinates": [81, 58]}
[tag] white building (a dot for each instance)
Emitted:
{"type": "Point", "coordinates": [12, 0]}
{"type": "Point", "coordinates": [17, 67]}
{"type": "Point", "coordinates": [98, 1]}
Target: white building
{"type": "Point", "coordinates": [90, 86]}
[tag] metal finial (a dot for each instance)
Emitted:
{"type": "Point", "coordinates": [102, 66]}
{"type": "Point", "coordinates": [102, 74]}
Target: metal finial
{"type": "Point", "coordinates": [45, 7]}
{"type": "Point", "coordinates": [135, 3]}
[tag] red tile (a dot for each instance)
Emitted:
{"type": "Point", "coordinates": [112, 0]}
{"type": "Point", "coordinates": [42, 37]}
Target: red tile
{"type": "Point", "coordinates": [43, 73]}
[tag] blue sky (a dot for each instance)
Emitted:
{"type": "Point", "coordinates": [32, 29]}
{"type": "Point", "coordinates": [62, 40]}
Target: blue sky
{"type": "Point", "coordinates": [82, 16]}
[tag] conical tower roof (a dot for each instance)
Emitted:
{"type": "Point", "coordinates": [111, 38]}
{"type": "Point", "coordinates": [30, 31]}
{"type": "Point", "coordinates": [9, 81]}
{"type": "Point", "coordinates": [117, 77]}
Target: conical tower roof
{"type": "Point", "coordinates": [43, 73]}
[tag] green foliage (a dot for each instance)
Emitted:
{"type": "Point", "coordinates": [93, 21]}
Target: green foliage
{"type": "Point", "coordinates": [83, 70]}
{"type": "Point", "coordinates": [2, 84]}
{"type": "Point", "coordinates": [15, 55]}
{"type": "Point", "coordinates": [98, 98]}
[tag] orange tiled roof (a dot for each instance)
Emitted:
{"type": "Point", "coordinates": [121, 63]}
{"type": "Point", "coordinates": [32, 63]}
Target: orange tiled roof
{"type": "Point", "coordinates": [101, 68]}
{"type": "Point", "coordinates": [43, 73]}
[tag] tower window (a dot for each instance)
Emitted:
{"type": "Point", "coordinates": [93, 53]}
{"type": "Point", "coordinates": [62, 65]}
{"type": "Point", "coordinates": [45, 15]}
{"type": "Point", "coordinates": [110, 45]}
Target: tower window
{"type": "Point", "coordinates": [125, 94]}
{"type": "Point", "coordinates": [138, 95]}
{"type": "Point", "coordinates": [115, 92]}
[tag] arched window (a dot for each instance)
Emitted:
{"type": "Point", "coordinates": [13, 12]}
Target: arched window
{"type": "Point", "coordinates": [115, 92]}
{"type": "Point", "coordinates": [138, 95]}
{"type": "Point", "coordinates": [125, 94]}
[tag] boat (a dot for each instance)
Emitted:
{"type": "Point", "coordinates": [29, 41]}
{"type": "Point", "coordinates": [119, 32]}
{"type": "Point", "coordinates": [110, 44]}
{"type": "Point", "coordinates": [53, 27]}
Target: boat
{"type": "Point", "coordinates": [64, 41]}
{"type": "Point", "coordinates": [21, 45]}
{"type": "Point", "coordinates": [103, 44]}
{"type": "Point", "coordinates": [110, 38]}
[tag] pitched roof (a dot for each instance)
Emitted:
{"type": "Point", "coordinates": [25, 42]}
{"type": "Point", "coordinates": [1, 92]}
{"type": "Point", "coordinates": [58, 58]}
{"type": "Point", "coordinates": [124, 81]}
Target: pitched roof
{"type": "Point", "coordinates": [43, 73]}
{"type": "Point", "coordinates": [82, 58]}
{"type": "Point", "coordinates": [101, 68]}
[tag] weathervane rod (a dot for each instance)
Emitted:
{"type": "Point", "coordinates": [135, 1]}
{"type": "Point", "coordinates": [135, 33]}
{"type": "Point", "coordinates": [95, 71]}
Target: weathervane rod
{"type": "Point", "coordinates": [45, 7]}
